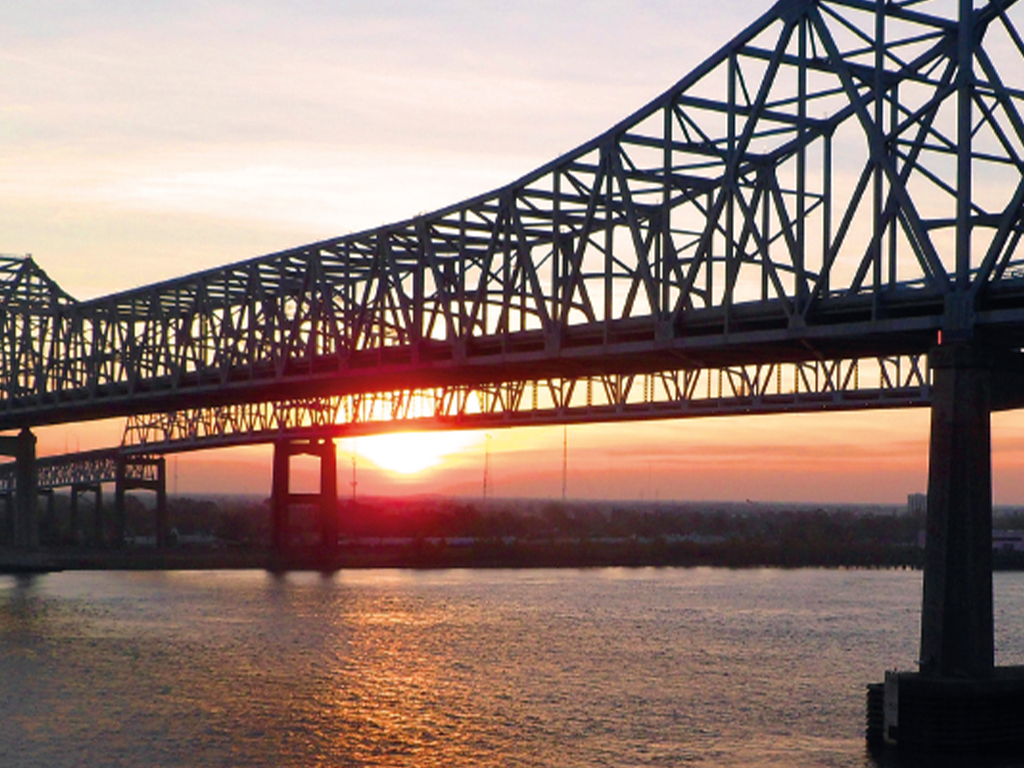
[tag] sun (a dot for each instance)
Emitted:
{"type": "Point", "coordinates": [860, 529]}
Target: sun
{"type": "Point", "coordinates": [408, 453]}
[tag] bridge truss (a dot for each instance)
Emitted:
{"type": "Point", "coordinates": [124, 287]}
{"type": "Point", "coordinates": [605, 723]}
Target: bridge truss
{"type": "Point", "coordinates": [896, 382]}
{"type": "Point", "coordinates": [107, 465]}
{"type": "Point", "coordinates": [843, 180]}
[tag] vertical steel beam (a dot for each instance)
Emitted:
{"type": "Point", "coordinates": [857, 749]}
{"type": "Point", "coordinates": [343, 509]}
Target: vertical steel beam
{"type": "Point", "coordinates": [826, 217]}
{"type": "Point", "coordinates": [607, 151]}
{"type": "Point", "coordinates": [965, 95]}
{"type": "Point", "coordinates": [557, 256]}
{"type": "Point", "coordinates": [894, 158]}
{"type": "Point", "coordinates": [800, 256]}
{"type": "Point", "coordinates": [877, 160]}
{"type": "Point", "coordinates": [730, 184]}
{"type": "Point", "coordinates": [666, 261]}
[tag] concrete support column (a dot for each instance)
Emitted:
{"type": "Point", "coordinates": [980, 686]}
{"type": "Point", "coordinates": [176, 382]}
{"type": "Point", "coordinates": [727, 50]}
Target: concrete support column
{"type": "Point", "coordinates": [76, 521]}
{"type": "Point", "coordinates": [26, 522]}
{"type": "Point", "coordinates": [98, 522]}
{"type": "Point", "coordinates": [326, 501]}
{"type": "Point", "coordinates": [51, 516]}
{"type": "Point", "coordinates": [957, 615]}
{"type": "Point", "coordinates": [120, 497]}
{"type": "Point", "coordinates": [74, 513]}
{"type": "Point", "coordinates": [329, 497]}
{"type": "Point", "coordinates": [8, 526]}
{"type": "Point", "coordinates": [163, 520]}
{"type": "Point", "coordinates": [280, 533]}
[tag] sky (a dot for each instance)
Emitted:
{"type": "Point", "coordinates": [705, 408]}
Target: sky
{"type": "Point", "coordinates": [143, 141]}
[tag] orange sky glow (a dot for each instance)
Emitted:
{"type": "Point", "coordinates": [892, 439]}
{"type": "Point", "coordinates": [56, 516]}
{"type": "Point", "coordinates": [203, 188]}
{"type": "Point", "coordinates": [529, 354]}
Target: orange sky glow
{"type": "Point", "coordinates": [868, 457]}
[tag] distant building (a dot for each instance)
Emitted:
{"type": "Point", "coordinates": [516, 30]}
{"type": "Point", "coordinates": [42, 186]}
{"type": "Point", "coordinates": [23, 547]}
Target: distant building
{"type": "Point", "coordinates": [1002, 541]}
{"type": "Point", "coordinates": [917, 505]}
{"type": "Point", "coordinates": [1008, 541]}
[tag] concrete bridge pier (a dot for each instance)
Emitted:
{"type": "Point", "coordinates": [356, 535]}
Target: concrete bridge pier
{"type": "Point", "coordinates": [325, 501]}
{"type": "Point", "coordinates": [7, 534]}
{"type": "Point", "coordinates": [77, 489]}
{"type": "Point", "coordinates": [50, 517]}
{"type": "Point", "coordinates": [957, 637]}
{"type": "Point", "coordinates": [156, 482]}
{"type": "Point", "coordinates": [24, 521]}
{"type": "Point", "coordinates": [959, 699]}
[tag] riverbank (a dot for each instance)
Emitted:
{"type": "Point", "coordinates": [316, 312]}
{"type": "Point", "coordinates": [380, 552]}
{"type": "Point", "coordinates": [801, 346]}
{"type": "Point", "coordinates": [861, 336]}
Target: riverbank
{"type": "Point", "coordinates": [484, 554]}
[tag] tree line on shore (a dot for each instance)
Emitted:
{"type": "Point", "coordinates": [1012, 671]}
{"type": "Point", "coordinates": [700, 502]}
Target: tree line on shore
{"type": "Point", "coordinates": [443, 531]}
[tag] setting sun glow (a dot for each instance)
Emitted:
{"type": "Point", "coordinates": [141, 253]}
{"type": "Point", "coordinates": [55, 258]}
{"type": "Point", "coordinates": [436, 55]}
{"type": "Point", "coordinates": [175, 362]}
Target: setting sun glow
{"type": "Point", "coordinates": [408, 453]}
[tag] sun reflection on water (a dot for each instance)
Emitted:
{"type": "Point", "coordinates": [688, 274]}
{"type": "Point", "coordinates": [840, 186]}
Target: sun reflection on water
{"type": "Point", "coordinates": [468, 668]}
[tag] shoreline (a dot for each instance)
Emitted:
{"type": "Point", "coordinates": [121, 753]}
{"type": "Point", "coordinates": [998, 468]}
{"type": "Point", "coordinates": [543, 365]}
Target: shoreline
{"type": "Point", "coordinates": [491, 554]}
{"type": "Point", "coordinates": [524, 555]}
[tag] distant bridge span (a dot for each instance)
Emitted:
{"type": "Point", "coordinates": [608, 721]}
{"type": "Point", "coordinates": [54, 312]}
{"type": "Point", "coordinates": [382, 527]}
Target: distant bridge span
{"type": "Point", "coordinates": [896, 382]}
{"type": "Point", "coordinates": [841, 183]}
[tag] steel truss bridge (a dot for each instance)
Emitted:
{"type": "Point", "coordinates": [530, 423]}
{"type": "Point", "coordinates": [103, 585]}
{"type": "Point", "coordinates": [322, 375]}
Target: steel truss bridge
{"type": "Point", "coordinates": [897, 382]}
{"type": "Point", "coordinates": [843, 180]}
{"type": "Point", "coordinates": [87, 472]}
{"type": "Point", "coordinates": [825, 214]}
{"type": "Point", "coordinates": [87, 467]}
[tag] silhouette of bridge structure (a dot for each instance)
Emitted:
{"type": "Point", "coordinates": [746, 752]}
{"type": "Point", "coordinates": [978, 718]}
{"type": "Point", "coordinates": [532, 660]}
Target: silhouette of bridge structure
{"type": "Point", "coordinates": [825, 214]}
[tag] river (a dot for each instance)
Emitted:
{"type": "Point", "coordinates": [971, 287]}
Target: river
{"type": "Point", "coordinates": [602, 667]}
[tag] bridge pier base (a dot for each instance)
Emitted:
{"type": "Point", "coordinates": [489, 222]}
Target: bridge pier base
{"type": "Point", "coordinates": [126, 481]}
{"type": "Point", "coordinates": [958, 700]}
{"type": "Point", "coordinates": [282, 499]}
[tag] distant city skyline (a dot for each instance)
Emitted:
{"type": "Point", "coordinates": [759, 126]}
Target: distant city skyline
{"type": "Point", "coordinates": [144, 141]}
